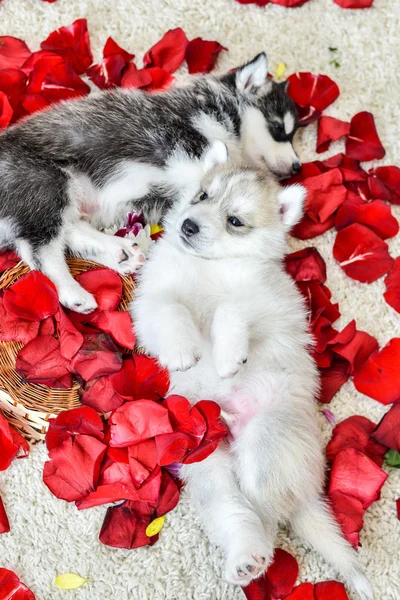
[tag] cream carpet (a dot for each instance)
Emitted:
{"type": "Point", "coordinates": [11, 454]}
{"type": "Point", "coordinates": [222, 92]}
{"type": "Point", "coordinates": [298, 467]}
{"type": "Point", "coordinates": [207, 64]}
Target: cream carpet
{"type": "Point", "coordinates": [48, 536]}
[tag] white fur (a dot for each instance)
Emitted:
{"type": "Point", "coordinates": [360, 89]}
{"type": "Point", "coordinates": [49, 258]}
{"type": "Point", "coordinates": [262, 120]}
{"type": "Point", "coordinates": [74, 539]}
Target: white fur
{"type": "Point", "coordinates": [262, 149]}
{"type": "Point", "coordinates": [288, 123]}
{"type": "Point", "coordinates": [231, 326]}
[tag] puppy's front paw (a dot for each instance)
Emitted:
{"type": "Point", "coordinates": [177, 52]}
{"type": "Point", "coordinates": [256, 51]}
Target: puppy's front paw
{"type": "Point", "coordinates": [180, 356]}
{"type": "Point", "coordinates": [228, 362]}
{"type": "Point", "coordinates": [248, 562]}
{"type": "Point", "coordinates": [77, 299]}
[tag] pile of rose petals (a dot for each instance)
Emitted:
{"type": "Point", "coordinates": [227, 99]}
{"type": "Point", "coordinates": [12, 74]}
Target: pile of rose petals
{"type": "Point", "coordinates": [279, 579]}
{"type": "Point", "coordinates": [11, 587]}
{"type": "Point", "coordinates": [12, 445]}
{"type": "Point", "coordinates": [31, 81]}
{"type": "Point", "coordinates": [132, 458]}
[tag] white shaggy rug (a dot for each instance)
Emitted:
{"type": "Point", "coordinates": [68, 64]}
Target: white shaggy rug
{"type": "Point", "coordinates": [49, 536]}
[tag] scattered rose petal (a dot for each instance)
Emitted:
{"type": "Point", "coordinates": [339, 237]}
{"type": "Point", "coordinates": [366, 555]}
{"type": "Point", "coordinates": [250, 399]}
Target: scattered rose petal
{"type": "Point", "coordinates": [40, 361]}
{"type": "Point", "coordinates": [330, 130]}
{"type": "Point", "coordinates": [13, 52]}
{"type": "Point", "coordinates": [105, 285]}
{"type": "Point", "coordinates": [141, 377]}
{"type": "Point", "coordinates": [69, 337]}
{"type": "Point", "coordinates": [354, 474]}
{"type": "Point", "coordinates": [97, 356]}
{"type": "Point", "coordinates": [12, 587]}
{"type": "Point", "coordinates": [312, 93]}
{"type": "Point", "coordinates": [388, 429]}
{"type": "Point", "coordinates": [136, 421]}
{"type": "Point", "coordinates": [332, 379]}
{"type": "Point", "coordinates": [15, 329]}
{"type": "Point", "coordinates": [354, 3]}
{"type": "Point", "coordinates": [72, 43]}
{"type": "Point", "coordinates": [390, 178]}
{"type": "Point", "coordinates": [76, 421]}
{"type": "Point", "coordinates": [118, 325]}
{"type": "Point", "coordinates": [108, 74]}
{"type": "Point", "coordinates": [99, 394]}
{"type": "Point", "coordinates": [306, 265]}
{"type": "Point", "coordinates": [329, 416]}
{"type": "Point", "coordinates": [6, 111]}
{"type": "Point", "coordinates": [326, 590]}
{"type": "Point", "coordinates": [392, 283]}
{"type": "Point", "coordinates": [32, 297]}
{"type": "Point", "coordinates": [282, 573]}
{"type": "Point", "coordinates": [74, 467]}
{"type": "Point", "coordinates": [379, 378]}
{"type": "Point", "coordinates": [355, 432]}
{"type": "Point", "coordinates": [363, 142]}
{"type": "Point", "coordinates": [361, 253]}
{"type": "Point", "coordinates": [376, 215]}
{"type": "Point", "coordinates": [8, 259]}
{"type": "Point", "coordinates": [4, 523]}
{"type": "Point", "coordinates": [201, 55]}
{"type": "Point", "coordinates": [169, 52]}
{"type": "Point", "coordinates": [149, 79]}
{"type": "Point", "coordinates": [304, 591]}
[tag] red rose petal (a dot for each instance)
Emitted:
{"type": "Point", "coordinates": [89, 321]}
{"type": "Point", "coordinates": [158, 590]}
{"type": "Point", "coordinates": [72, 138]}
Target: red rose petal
{"type": "Point", "coordinates": [355, 432]}
{"type": "Point", "coordinates": [12, 588]}
{"type": "Point", "coordinates": [379, 378]}
{"type": "Point", "coordinates": [74, 467]}
{"type": "Point", "coordinates": [306, 265]}
{"type": "Point", "coordinates": [313, 93]}
{"type": "Point", "coordinates": [201, 55]}
{"type": "Point", "coordinates": [123, 528]}
{"type": "Point", "coordinates": [363, 142]}
{"type": "Point", "coordinates": [355, 347]}
{"type": "Point", "coordinates": [304, 591]}
{"type": "Point", "coordinates": [105, 285]}
{"type": "Point", "coordinates": [330, 130]}
{"type": "Point", "coordinates": [149, 79]}
{"type": "Point", "coordinates": [40, 361]}
{"type": "Point", "coordinates": [260, 3]}
{"type": "Point", "coordinates": [99, 394]}
{"type": "Point", "coordinates": [136, 421]}
{"type": "Point", "coordinates": [388, 429]}
{"type": "Point", "coordinates": [8, 259]}
{"type": "Point", "coordinates": [76, 421]}
{"type": "Point", "coordinates": [307, 228]}
{"type": "Point", "coordinates": [105, 494]}
{"type": "Point", "coordinates": [72, 43]}
{"type": "Point", "coordinates": [4, 523]}
{"type": "Point", "coordinates": [361, 253]}
{"type": "Point", "coordinates": [330, 590]}
{"type": "Point", "coordinates": [108, 74]}
{"type": "Point", "coordinates": [390, 178]}
{"type": "Point", "coordinates": [325, 193]}
{"type": "Point", "coordinates": [282, 573]}
{"type": "Point", "coordinates": [13, 52]}
{"type": "Point", "coordinates": [32, 297]}
{"type": "Point", "coordinates": [69, 337]}
{"type": "Point", "coordinates": [317, 297]}
{"type": "Point", "coordinates": [216, 431]}
{"type": "Point", "coordinates": [118, 325]}
{"type": "Point", "coordinates": [354, 474]}
{"type": "Point", "coordinates": [349, 513]}
{"type": "Point", "coordinates": [173, 447]}
{"type": "Point", "coordinates": [354, 3]}
{"type": "Point", "coordinates": [392, 283]}
{"type": "Point", "coordinates": [14, 328]}
{"type": "Point", "coordinates": [96, 357]}
{"type": "Point", "coordinates": [376, 215]}
{"type": "Point", "coordinates": [289, 3]}
{"type": "Point", "coordinates": [169, 52]}
{"type": "Point", "coordinates": [6, 111]}
{"type": "Point", "coordinates": [398, 508]}
{"type": "Point", "coordinates": [332, 380]}
{"type": "Point", "coordinates": [141, 377]}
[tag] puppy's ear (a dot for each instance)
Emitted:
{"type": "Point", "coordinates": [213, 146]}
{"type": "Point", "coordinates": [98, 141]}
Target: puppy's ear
{"type": "Point", "coordinates": [253, 74]}
{"type": "Point", "coordinates": [291, 204]}
{"type": "Point", "coordinates": [216, 155]}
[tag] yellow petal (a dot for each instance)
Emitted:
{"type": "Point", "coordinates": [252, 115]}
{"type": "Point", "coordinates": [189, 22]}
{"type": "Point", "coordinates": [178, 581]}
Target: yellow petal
{"type": "Point", "coordinates": [155, 526]}
{"type": "Point", "coordinates": [70, 581]}
{"type": "Point", "coordinates": [154, 228]}
{"type": "Point", "coordinates": [280, 70]}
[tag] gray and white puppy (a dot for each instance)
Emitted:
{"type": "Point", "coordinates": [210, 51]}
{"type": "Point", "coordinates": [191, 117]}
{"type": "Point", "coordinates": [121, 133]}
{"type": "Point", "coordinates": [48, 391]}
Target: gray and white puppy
{"type": "Point", "coordinates": [112, 152]}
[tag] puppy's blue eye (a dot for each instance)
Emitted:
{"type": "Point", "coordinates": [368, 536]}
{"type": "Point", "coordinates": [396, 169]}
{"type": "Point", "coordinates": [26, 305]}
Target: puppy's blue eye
{"type": "Point", "coordinates": [235, 222]}
{"type": "Point", "coordinates": [203, 196]}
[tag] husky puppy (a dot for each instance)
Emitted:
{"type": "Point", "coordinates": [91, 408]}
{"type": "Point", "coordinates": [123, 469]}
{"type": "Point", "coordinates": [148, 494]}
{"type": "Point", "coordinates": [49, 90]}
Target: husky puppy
{"type": "Point", "coordinates": [101, 156]}
{"type": "Point", "coordinates": [215, 306]}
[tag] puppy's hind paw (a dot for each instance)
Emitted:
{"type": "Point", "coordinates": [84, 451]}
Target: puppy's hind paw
{"type": "Point", "coordinates": [247, 563]}
{"type": "Point", "coordinates": [131, 258]}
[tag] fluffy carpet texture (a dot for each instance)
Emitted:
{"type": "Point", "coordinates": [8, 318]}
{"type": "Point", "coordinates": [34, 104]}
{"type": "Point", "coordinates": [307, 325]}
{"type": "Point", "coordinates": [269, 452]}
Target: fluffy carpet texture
{"type": "Point", "coordinates": [50, 537]}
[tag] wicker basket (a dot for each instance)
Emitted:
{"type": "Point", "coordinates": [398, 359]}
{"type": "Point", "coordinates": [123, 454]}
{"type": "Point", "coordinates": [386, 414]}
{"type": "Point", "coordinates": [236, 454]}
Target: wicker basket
{"type": "Point", "coordinates": [28, 406]}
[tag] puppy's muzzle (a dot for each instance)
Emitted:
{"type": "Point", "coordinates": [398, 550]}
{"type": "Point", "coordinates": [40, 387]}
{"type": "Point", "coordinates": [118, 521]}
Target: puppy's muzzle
{"type": "Point", "coordinates": [189, 228]}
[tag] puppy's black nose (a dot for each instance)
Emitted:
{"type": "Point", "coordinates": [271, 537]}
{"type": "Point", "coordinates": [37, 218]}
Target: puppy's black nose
{"type": "Point", "coordinates": [296, 167]}
{"type": "Point", "coordinates": [189, 227]}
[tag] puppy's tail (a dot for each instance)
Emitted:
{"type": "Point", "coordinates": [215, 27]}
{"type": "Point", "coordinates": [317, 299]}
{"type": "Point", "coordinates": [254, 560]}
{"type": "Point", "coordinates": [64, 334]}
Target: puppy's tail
{"type": "Point", "coordinates": [315, 524]}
